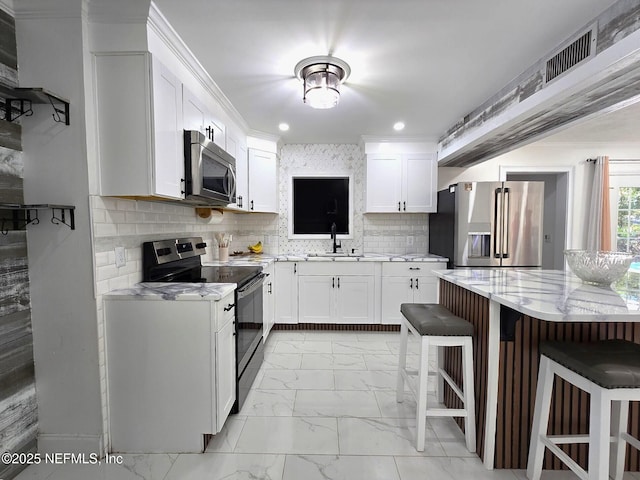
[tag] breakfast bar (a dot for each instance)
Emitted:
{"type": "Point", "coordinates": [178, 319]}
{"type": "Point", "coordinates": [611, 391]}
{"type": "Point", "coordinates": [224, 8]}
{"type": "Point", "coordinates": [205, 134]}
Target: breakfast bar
{"type": "Point", "coordinates": [513, 310]}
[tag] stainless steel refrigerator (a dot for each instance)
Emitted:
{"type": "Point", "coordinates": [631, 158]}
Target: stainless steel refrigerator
{"type": "Point", "coordinates": [489, 224]}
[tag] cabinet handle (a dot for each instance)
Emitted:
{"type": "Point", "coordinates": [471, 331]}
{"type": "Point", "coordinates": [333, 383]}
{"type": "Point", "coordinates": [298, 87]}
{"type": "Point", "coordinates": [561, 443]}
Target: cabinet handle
{"type": "Point", "coordinates": [251, 204]}
{"type": "Point", "coordinates": [414, 268]}
{"type": "Point", "coordinates": [404, 205]}
{"type": "Point", "coordinates": [417, 285]}
{"type": "Point", "coordinates": [270, 287]}
{"type": "Point", "coordinates": [399, 206]}
{"type": "Point", "coordinates": [210, 133]}
{"type": "Point", "coordinates": [295, 268]}
{"type": "Point", "coordinates": [239, 201]}
{"type": "Point", "coordinates": [229, 307]}
{"type": "Point", "coordinates": [411, 284]}
{"type": "Point", "coordinates": [338, 282]}
{"type": "Point", "coordinates": [333, 282]}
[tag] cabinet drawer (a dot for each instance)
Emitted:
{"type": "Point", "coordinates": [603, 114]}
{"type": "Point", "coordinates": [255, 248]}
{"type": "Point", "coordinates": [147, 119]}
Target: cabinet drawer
{"type": "Point", "coordinates": [411, 269]}
{"type": "Point", "coordinates": [336, 268]}
{"type": "Point", "coordinates": [225, 311]}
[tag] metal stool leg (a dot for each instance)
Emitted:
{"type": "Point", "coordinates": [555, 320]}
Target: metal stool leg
{"type": "Point", "coordinates": [540, 419]}
{"type": "Point", "coordinates": [402, 361]}
{"type": "Point", "coordinates": [423, 375]}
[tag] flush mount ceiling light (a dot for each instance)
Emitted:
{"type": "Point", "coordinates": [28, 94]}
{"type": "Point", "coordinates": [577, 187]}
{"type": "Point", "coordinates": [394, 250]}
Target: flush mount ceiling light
{"type": "Point", "coordinates": [321, 77]}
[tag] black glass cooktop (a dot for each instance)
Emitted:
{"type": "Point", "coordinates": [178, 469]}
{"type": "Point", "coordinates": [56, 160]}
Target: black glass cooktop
{"type": "Point", "coordinates": [209, 274]}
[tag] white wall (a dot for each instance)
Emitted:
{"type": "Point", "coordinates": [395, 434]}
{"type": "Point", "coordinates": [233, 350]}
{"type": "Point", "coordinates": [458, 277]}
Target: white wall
{"type": "Point", "coordinates": [549, 155]}
{"type": "Point", "coordinates": [50, 52]}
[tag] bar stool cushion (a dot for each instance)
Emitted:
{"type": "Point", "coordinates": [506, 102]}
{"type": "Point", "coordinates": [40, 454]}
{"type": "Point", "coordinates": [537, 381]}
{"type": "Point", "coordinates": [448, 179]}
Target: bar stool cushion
{"type": "Point", "coordinates": [435, 320]}
{"type": "Point", "coordinates": [607, 363]}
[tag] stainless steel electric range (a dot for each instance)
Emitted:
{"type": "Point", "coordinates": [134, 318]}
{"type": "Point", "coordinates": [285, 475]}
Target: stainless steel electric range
{"type": "Point", "coordinates": [179, 260]}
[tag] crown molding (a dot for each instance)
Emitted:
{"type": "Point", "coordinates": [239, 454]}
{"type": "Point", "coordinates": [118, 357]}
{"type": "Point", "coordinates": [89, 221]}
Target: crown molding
{"type": "Point", "coordinates": [7, 6]}
{"type": "Point", "coordinates": [159, 23]}
{"type": "Point", "coordinates": [263, 136]}
{"type": "Point", "coordinates": [34, 9]}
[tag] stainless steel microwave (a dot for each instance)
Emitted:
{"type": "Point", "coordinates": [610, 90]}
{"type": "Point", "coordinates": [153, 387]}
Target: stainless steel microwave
{"type": "Point", "coordinates": [210, 172]}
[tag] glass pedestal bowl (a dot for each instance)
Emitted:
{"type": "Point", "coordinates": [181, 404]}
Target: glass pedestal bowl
{"type": "Point", "coordinates": [598, 267]}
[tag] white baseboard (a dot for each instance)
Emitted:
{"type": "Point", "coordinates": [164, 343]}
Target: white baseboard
{"type": "Point", "coordinates": [53, 443]}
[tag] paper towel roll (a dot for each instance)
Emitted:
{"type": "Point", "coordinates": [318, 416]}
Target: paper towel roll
{"type": "Point", "coordinates": [208, 215]}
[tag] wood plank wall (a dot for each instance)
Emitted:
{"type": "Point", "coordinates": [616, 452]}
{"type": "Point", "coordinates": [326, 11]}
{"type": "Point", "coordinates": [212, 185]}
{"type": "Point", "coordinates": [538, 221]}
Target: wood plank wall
{"type": "Point", "coordinates": [519, 360]}
{"type": "Point", "coordinates": [18, 411]}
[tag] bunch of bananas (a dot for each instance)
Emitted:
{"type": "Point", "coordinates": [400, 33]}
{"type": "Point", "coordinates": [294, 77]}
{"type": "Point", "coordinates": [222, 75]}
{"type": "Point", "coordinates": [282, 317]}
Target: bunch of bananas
{"type": "Point", "coordinates": [257, 248]}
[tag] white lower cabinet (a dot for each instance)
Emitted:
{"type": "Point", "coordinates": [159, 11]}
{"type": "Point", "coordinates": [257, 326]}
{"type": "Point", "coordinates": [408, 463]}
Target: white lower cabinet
{"type": "Point", "coordinates": [171, 372]}
{"type": "Point", "coordinates": [407, 282]}
{"type": "Point", "coordinates": [336, 293]}
{"type": "Point", "coordinates": [225, 370]}
{"type": "Point", "coordinates": [268, 301]}
{"type": "Point", "coordinates": [286, 292]}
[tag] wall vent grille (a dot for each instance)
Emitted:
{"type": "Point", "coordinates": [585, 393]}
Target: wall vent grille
{"type": "Point", "coordinates": [571, 55]}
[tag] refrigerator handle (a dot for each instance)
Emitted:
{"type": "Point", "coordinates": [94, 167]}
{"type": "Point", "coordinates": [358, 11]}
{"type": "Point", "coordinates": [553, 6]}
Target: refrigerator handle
{"type": "Point", "coordinates": [496, 217]}
{"type": "Point", "coordinates": [505, 219]}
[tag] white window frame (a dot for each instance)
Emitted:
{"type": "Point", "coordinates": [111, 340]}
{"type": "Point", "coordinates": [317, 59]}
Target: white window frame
{"type": "Point", "coordinates": [620, 176]}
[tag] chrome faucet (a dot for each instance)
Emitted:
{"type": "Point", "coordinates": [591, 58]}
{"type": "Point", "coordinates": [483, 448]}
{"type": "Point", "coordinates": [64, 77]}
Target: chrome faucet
{"type": "Point", "coordinates": [334, 237]}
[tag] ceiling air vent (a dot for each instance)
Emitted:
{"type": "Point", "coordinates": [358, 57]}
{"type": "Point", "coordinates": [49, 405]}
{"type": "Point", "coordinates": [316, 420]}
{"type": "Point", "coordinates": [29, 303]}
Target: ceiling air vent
{"type": "Point", "coordinates": [571, 55]}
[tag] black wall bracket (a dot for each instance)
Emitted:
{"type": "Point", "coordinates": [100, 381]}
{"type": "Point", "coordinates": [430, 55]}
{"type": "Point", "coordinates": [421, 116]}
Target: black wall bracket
{"type": "Point", "coordinates": [19, 101]}
{"type": "Point", "coordinates": [23, 215]}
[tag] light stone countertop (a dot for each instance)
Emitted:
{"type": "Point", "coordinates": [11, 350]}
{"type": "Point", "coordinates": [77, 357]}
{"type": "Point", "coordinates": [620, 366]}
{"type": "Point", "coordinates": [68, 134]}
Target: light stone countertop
{"type": "Point", "coordinates": [216, 291]}
{"type": "Point", "coordinates": [173, 291]}
{"type": "Point", "coordinates": [266, 259]}
{"type": "Point", "coordinates": [551, 295]}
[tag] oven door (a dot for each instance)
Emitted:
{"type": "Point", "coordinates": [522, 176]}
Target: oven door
{"type": "Point", "coordinates": [248, 321]}
{"type": "Point", "coordinates": [249, 346]}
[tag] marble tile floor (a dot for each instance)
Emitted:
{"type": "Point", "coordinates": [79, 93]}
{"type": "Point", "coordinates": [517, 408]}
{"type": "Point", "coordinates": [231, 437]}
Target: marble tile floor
{"type": "Point", "coordinates": [322, 408]}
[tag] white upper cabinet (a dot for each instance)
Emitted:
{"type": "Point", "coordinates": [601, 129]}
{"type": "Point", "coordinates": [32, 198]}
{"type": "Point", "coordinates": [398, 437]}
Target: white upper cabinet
{"type": "Point", "coordinates": [196, 116]}
{"type": "Point", "coordinates": [194, 113]}
{"type": "Point", "coordinates": [401, 183]}
{"type": "Point", "coordinates": [237, 147]}
{"type": "Point", "coordinates": [263, 181]}
{"type": "Point", "coordinates": [139, 126]}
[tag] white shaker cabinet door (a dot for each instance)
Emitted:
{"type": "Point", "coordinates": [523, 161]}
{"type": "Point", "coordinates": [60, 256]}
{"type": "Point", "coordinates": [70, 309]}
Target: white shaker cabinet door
{"type": "Point", "coordinates": [286, 292]}
{"type": "Point", "coordinates": [384, 183]}
{"type": "Point", "coordinates": [395, 291]}
{"type": "Point", "coordinates": [263, 181]}
{"type": "Point", "coordinates": [419, 183]}
{"type": "Point", "coordinates": [168, 132]}
{"type": "Point", "coordinates": [355, 299]}
{"type": "Point", "coordinates": [316, 299]}
{"type": "Point", "coordinates": [226, 372]}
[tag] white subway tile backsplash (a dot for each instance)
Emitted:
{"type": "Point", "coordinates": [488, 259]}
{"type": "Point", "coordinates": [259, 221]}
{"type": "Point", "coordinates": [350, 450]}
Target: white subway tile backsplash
{"type": "Point", "coordinates": [125, 229]}
{"type": "Point", "coordinates": [105, 230]}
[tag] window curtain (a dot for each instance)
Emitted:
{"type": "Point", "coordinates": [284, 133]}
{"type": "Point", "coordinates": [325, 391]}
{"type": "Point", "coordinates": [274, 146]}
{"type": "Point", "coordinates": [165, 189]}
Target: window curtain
{"type": "Point", "coordinates": [599, 221]}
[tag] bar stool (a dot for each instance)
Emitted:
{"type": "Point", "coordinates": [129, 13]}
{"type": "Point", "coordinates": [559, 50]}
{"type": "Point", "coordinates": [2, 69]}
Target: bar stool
{"type": "Point", "coordinates": [437, 326]}
{"type": "Point", "coordinates": [609, 371]}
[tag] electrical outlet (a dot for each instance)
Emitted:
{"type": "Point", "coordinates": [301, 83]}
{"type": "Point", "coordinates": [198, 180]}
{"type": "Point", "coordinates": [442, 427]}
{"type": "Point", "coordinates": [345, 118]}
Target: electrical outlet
{"type": "Point", "coordinates": [409, 241]}
{"type": "Point", "coordinates": [121, 258]}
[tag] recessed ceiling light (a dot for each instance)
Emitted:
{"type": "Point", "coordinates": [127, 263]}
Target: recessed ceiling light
{"type": "Point", "coordinates": [398, 126]}
{"type": "Point", "coordinates": [283, 127]}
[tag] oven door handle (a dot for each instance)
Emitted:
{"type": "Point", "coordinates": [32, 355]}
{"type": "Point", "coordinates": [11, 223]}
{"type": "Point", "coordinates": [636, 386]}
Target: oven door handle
{"type": "Point", "coordinates": [252, 286]}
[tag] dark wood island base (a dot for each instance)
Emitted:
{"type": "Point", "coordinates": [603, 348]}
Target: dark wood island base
{"type": "Point", "coordinates": [518, 359]}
